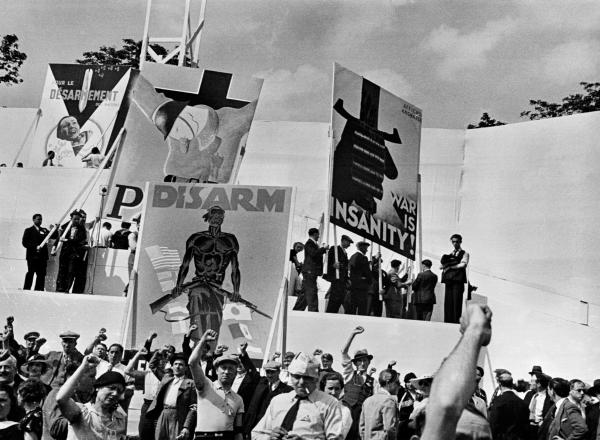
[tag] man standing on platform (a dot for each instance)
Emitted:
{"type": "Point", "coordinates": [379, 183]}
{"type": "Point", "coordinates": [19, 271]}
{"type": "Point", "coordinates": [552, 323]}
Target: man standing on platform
{"type": "Point", "coordinates": [337, 273]}
{"type": "Point", "coordinates": [36, 255]}
{"type": "Point", "coordinates": [312, 268]}
{"type": "Point", "coordinates": [72, 253]}
{"type": "Point", "coordinates": [454, 275]}
{"type": "Point", "coordinates": [360, 280]}
{"type": "Point", "coordinates": [424, 292]}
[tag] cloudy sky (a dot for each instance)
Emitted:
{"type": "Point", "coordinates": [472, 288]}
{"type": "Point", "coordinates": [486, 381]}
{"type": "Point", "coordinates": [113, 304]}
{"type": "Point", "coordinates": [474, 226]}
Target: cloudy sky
{"type": "Point", "coordinates": [453, 59]}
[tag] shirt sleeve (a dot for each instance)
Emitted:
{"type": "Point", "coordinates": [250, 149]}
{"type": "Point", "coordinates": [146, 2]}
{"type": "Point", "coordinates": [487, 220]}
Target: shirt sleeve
{"type": "Point", "coordinates": [389, 414]}
{"type": "Point", "coordinates": [465, 259]}
{"type": "Point", "coordinates": [348, 370]}
{"type": "Point", "coordinates": [262, 431]}
{"type": "Point", "coordinates": [333, 422]}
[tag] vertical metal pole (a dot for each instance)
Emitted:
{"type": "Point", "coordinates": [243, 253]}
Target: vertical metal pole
{"type": "Point", "coordinates": [196, 55]}
{"type": "Point", "coordinates": [182, 44]}
{"type": "Point", "coordinates": [145, 36]}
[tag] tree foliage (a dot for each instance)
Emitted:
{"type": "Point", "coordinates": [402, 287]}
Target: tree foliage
{"type": "Point", "coordinates": [11, 60]}
{"type": "Point", "coordinates": [127, 55]}
{"type": "Point", "coordinates": [576, 103]}
{"type": "Point", "coordinates": [486, 121]}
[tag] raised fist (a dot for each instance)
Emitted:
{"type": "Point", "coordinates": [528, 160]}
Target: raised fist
{"type": "Point", "coordinates": [243, 347]}
{"type": "Point", "coordinates": [358, 330]}
{"type": "Point", "coordinates": [478, 319]}
{"type": "Point", "coordinates": [209, 335]}
{"type": "Point", "coordinates": [317, 352]}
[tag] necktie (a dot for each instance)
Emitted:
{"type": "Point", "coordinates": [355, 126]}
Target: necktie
{"type": "Point", "coordinates": [290, 417]}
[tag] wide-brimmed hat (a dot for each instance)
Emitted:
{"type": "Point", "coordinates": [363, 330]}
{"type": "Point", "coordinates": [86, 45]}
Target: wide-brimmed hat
{"type": "Point", "coordinates": [35, 359]}
{"type": "Point", "coordinates": [361, 354]}
{"type": "Point", "coordinates": [536, 369]}
{"type": "Point", "coordinates": [421, 382]}
{"type": "Point", "coordinates": [304, 365]}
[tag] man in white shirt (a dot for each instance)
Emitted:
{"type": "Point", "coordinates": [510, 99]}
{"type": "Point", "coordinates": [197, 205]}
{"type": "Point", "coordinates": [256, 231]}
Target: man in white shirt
{"type": "Point", "coordinates": [305, 413]}
{"type": "Point", "coordinates": [220, 409]}
{"type": "Point", "coordinates": [105, 236]}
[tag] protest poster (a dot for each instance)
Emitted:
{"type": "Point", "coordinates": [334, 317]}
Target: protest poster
{"type": "Point", "coordinates": [200, 246]}
{"type": "Point", "coordinates": [184, 125]}
{"type": "Point", "coordinates": [82, 107]}
{"type": "Point", "coordinates": [376, 139]}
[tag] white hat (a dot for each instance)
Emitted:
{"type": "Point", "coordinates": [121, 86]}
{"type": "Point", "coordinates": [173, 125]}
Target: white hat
{"type": "Point", "coordinates": [304, 365]}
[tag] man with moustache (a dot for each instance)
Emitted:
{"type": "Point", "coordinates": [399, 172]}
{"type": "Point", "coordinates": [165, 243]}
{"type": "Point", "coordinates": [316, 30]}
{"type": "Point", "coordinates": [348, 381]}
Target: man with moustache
{"type": "Point", "coordinates": [221, 409]}
{"type": "Point", "coordinates": [304, 413]}
{"type": "Point", "coordinates": [58, 360]}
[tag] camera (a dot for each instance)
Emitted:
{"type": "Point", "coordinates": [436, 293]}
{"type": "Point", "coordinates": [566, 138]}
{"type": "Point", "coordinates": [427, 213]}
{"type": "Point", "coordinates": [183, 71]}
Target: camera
{"type": "Point", "coordinates": [103, 190]}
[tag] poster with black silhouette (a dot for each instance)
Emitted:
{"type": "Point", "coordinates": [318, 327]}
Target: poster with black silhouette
{"type": "Point", "coordinates": [211, 255]}
{"type": "Point", "coordinates": [376, 140]}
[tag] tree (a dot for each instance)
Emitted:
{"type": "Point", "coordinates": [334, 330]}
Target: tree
{"type": "Point", "coordinates": [128, 55]}
{"type": "Point", "coordinates": [11, 60]}
{"type": "Point", "coordinates": [486, 121]}
{"type": "Point", "coordinates": [576, 103]}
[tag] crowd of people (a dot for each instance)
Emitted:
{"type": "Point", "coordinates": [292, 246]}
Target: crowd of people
{"type": "Point", "coordinates": [360, 286]}
{"type": "Point", "coordinates": [207, 391]}
{"type": "Point", "coordinates": [72, 241]}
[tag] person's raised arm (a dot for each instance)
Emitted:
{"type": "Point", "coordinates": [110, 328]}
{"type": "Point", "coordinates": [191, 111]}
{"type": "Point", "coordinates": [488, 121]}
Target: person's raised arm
{"type": "Point", "coordinates": [63, 398]}
{"type": "Point", "coordinates": [246, 361]}
{"type": "Point", "coordinates": [130, 368]}
{"type": "Point", "coordinates": [185, 344]}
{"type": "Point", "coordinates": [453, 384]}
{"type": "Point", "coordinates": [346, 361]}
{"type": "Point", "coordinates": [194, 361]}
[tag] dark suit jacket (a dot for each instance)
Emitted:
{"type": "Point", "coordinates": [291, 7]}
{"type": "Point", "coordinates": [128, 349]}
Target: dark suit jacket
{"type": "Point", "coordinates": [592, 414]}
{"type": "Point", "coordinates": [55, 375]}
{"type": "Point", "coordinates": [360, 272]}
{"type": "Point", "coordinates": [313, 258]}
{"type": "Point", "coordinates": [186, 397]}
{"type": "Point", "coordinates": [568, 423]}
{"type": "Point", "coordinates": [342, 260]}
{"type": "Point", "coordinates": [424, 288]}
{"type": "Point", "coordinates": [260, 402]}
{"type": "Point", "coordinates": [31, 239]}
{"type": "Point", "coordinates": [250, 381]}
{"type": "Point", "coordinates": [509, 417]}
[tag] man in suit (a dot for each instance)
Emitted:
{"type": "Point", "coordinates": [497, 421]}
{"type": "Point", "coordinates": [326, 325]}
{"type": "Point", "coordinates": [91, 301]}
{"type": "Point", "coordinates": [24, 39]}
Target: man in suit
{"type": "Point", "coordinates": [337, 273]}
{"type": "Point", "coordinates": [394, 295]}
{"type": "Point", "coordinates": [247, 376]}
{"type": "Point", "coordinates": [535, 371]}
{"type": "Point", "coordinates": [424, 292]}
{"type": "Point", "coordinates": [360, 280]}
{"type": "Point", "coordinates": [172, 406]}
{"type": "Point", "coordinates": [592, 410]}
{"type": "Point", "coordinates": [36, 255]}
{"type": "Point", "coordinates": [312, 268]}
{"type": "Point", "coordinates": [509, 414]}
{"type": "Point", "coordinates": [567, 421]}
{"type": "Point", "coordinates": [454, 266]}
{"type": "Point", "coordinates": [267, 388]}
{"type": "Point", "coordinates": [539, 404]}
{"type": "Point", "coordinates": [58, 360]}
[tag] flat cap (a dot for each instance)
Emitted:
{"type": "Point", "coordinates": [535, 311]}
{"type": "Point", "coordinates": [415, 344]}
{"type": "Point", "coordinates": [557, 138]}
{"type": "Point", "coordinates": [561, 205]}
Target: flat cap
{"type": "Point", "coordinates": [31, 335]}
{"type": "Point", "coordinates": [69, 335]}
{"type": "Point", "coordinates": [272, 365]}
{"type": "Point", "coordinates": [231, 358]}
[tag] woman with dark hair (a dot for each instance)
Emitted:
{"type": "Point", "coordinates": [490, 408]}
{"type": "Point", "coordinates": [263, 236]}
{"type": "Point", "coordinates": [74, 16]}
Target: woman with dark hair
{"type": "Point", "coordinates": [31, 394]}
{"type": "Point", "coordinates": [9, 427]}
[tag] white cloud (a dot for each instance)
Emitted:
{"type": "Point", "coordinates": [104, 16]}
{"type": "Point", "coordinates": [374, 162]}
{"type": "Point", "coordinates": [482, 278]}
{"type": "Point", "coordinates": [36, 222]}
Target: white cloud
{"type": "Point", "coordinates": [572, 62]}
{"type": "Point", "coordinates": [390, 80]}
{"type": "Point", "coordinates": [303, 95]}
{"type": "Point", "coordinates": [462, 51]}
{"type": "Point", "coordinates": [578, 16]}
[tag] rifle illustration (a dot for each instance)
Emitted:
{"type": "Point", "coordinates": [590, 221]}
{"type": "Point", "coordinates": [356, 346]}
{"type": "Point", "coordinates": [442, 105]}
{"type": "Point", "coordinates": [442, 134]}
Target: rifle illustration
{"type": "Point", "coordinates": [164, 300]}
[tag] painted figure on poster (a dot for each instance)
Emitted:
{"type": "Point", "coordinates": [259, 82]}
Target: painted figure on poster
{"type": "Point", "coordinates": [211, 252]}
{"type": "Point", "coordinates": [195, 135]}
{"type": "Point", "coordinates": [361, 159]}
